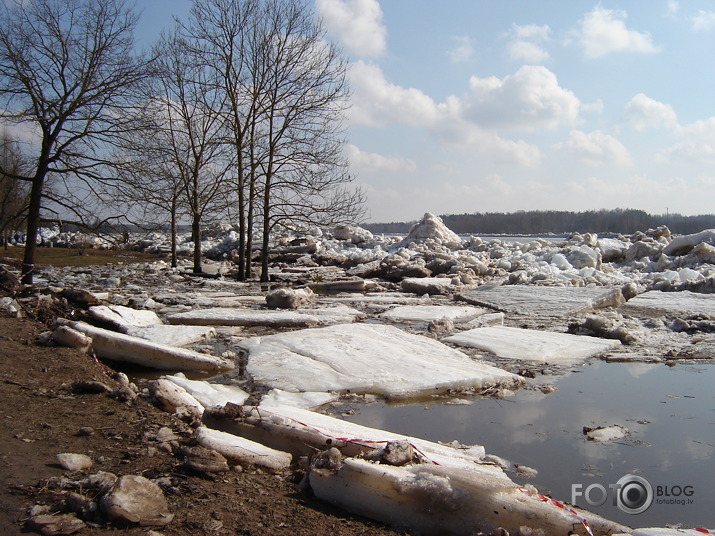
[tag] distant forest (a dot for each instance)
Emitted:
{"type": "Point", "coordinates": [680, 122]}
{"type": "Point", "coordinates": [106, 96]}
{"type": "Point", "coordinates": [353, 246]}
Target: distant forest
{"type": "Point", "coordinates": [616, 221]}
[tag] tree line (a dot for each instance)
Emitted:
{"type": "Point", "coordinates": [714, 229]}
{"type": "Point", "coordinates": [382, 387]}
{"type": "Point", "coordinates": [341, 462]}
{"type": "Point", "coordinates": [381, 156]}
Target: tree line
{"type": "Point", "coordinates": [616, 221]}
{"type": "Point", "coordinates": [235, 113]}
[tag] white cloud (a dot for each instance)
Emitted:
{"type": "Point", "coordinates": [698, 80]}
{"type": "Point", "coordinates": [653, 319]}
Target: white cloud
{"type": "Point", "coordinates": [697, 141]}
{"type": "Point", "coordinates": [642, 112]}
{"type": "Point", "coordinates": [529, 99]}
{"type": "Point", "coordinates": [356, 23]}
{"type": "Point", "coordinates": [463, 51]}
{"type": "Point", "coordinates": [376, 162]}
{"type": "Point", "coordinates": [596, 148]}
{"type": "Point", "coordinates": [525, 43]}
{"type": "Point", "coordinates": [603, 31]}
{"type": "Point", "coordinates": [704, 20]}
{"type": "Point", "coordinates": [377, 102]}
{"type": "Point", "coordinates": [589, 185]}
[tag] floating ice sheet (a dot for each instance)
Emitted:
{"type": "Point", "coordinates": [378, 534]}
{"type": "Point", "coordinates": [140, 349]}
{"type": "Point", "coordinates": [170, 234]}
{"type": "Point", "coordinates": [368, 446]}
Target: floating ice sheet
{"type": "Point", "coordinates": [543, 301]}
{"type": "Point", "coordinates": [684, 302]}
{"type": "Point", "coordinates": [532, 345]}
{"type": "Point", "coordinates": [428, 313]}
{"type": "Point", "coordinates": [366, 358]}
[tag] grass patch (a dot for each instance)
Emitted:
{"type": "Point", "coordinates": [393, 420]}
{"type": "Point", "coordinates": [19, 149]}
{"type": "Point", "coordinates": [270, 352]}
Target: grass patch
{"type": "Point", "coordinates": [72, 257]}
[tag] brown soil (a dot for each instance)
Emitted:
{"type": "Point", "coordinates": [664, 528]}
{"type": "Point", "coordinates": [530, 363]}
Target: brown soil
{"type": "Point", "coordinates": [41, 416]}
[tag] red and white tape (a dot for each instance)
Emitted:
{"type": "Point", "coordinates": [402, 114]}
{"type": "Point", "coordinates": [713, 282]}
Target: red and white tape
{"type": "Point", "coordinates": [561, 505]}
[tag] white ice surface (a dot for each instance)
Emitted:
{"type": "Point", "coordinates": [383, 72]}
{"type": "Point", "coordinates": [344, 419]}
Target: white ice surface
{"type": "Point", "coordinates": [209, 394]}
{"type": "Point", "coordinates": [532, 345]}
{"type": "Point", "coordinates": [221, 316]}
{"type": "Point", "coordinates": [365, 358]}
{"type": "Point", "coordinates": [543, 301]}
{"type": "Point", "coordinates": [277, 397]}
{"type": "Point", "coordinates": [172, 335]}
{"type": "Point", "coordinates": [684, 302]}
{"type": "Point", "coordinates": [428, 313]}
{"type": "Point", "coordinates": [123, 318]}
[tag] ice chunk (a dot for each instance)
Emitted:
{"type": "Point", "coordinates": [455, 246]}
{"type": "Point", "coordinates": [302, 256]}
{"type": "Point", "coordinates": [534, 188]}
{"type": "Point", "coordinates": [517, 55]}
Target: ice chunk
{"type": "Point", "coordinates": [427, 285]}
{"type": "Point", "coordinates": [428, 313]}
{"type": "Point", "coordinates": [120, 347]}
{"type": "Point", "coordinates": [543, 301]}
{"type": "Point", "coordinates": [277, 397]}
{"type": "Point", "coordinates": [680, 245]}
{"type": "Point", "coordinates": [365, 358]}
{"type": "Point", "coordinates": [532, 345]}
{"type": "Point", "coordinates": [242, 450]}
{"type": "Point", "coordinates": [685, 302]}
{"type": "Point", "coordinates": [433, 228]}
{"type": "Point", "coordinates": [172, 335]}
{"type": "Point", "coordinates": [209, 394]}
{"type": "Point", "coordinates": [122, 318]}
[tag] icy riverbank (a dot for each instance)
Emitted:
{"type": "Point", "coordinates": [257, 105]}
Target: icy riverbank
{"type": "Point", "coordinates": [635, 298]}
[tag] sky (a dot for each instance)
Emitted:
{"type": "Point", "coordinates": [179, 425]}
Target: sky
{"type": "Point", "coordinates": [464, 106]}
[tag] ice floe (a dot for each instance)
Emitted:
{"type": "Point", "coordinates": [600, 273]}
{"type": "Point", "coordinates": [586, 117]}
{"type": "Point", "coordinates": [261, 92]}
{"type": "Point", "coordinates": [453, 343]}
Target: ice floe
{"type": "Point", "coordinates": [532, 345]}
{"type": "Point", "coordinates": [683, 302]}
{"type": "Point", "coordinates": [366, 358]}
{"type": "Point", "coordinates": [543, 301]}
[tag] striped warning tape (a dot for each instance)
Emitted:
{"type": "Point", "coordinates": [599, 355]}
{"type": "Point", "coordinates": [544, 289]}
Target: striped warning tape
{"type": "Point", "coordinates": [561, 505]}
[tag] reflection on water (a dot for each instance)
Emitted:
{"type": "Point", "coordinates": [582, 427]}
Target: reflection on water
{"type": "Point", "coordinates": [669, 411]}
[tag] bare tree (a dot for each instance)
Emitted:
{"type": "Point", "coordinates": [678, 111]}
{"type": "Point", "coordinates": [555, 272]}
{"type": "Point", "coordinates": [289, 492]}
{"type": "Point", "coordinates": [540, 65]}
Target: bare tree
{"type": "Point", "coordinates": [189, 104]}
{"type": "Point", "coordinates": [14, 194]}
{"type": "Point", "coordinates": [225, 36]}
{"type": "Point", "coordinates": [285, 96]}
{"type": "Point", "coordinates": [304, 173]}
{"type": "Point", "coordinates": [67, 67]}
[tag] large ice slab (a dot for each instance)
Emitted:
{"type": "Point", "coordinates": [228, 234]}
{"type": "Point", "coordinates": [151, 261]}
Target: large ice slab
{"type": "Point", "coordinates": [532, 345]}
{"type": "Point", "coordinates": [172, 335]}
{"type": "Point", "coordinates": [543, 301]}
{"type": "Point", "coordinates": [365, 358]}
{"type": "Point", "coordinates": [428, 313]}
{"type": "Point", "coordinates": [222, 316]}
{"type": "Point", "coordinates": [684, 302]}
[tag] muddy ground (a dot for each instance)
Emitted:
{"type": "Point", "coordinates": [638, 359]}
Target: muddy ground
{"type": "Point", "coordinates": [42, 414]}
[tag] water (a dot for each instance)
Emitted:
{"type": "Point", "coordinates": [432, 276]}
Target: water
{"type": "Point", "coordinates": [669, 411]}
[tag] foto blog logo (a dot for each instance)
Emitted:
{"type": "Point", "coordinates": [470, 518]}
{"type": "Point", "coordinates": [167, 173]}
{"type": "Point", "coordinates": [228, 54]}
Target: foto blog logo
{"type": "Point", "coordinates": [632, 494]}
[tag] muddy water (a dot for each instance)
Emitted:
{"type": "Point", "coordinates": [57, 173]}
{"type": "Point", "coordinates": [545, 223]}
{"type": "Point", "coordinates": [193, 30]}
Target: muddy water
{"type": "Point", "coordinates": [670, 413]}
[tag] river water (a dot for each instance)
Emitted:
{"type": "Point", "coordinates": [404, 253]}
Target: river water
{"type": "Point", "coordinates": [670, 413]}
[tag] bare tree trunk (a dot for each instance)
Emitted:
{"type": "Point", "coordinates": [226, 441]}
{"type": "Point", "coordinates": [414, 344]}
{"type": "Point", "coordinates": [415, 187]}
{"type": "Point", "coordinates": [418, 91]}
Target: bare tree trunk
{"type": "Point", "coordinates": [33, 226]}
{"type": "Point", "coordinates": [196, 232]}
{"type": "Point", "coordinates": [174, 262]}
{"type": "Point", "coordinates": [266, 230]}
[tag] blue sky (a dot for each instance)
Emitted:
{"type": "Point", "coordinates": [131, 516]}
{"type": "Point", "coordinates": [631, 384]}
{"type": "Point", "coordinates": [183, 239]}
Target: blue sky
{"type": "Point", "coordinates": [477, 106]}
